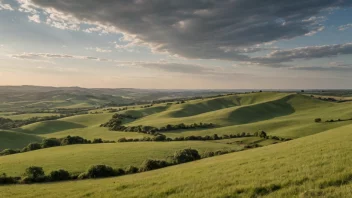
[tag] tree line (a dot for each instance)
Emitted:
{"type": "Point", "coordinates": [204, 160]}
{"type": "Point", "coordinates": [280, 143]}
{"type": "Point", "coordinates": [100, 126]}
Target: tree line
{"type": "Point", "coordinates": [35, 174]}
{"type": "Point", "coordinates": [53, 142]}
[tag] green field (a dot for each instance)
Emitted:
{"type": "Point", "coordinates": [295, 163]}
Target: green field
{"type": "Point", "coordinates": [311, 165]}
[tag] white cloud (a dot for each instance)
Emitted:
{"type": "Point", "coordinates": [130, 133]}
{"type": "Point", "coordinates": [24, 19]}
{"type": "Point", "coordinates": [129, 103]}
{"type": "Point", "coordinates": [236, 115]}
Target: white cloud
{"type": "Point", "coordinates": [345, 27]}
{"type": "Point", "coordinates": [97, 49]}
{"type": "Point", "coordinates": [35, 18]}
{"type": "Point", "coordinates": [4, 6]}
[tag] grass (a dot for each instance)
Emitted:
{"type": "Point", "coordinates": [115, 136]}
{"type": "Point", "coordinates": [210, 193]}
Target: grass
{"type": "Point", "coordinates": [28, 115]}
{"type": "Point", "coordinates": [313, 166]}
{"type": "Point", "coordinates": [10, 139]}
{"type": "Point", "coordinates": [77, 158]}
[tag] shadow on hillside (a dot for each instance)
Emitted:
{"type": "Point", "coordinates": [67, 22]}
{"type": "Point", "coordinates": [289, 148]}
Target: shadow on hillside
{"type": "Point", "coordinates": [262, 111]}
{"type": "Point", "coordinates": [49, 127]}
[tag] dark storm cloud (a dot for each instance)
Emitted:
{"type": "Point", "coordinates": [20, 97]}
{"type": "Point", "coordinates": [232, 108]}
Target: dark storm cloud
{"type": "Point", "coordinates": [203, 28]}
{"type": "Point", "coordinates": [310, 52]}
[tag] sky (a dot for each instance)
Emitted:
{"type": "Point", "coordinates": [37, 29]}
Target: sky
{"type": "Point", "coordinates": [177, 44]}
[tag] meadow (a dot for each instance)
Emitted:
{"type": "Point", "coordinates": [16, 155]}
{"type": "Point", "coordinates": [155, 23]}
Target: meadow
{"type": "Point", "coordinates": [313, 164]}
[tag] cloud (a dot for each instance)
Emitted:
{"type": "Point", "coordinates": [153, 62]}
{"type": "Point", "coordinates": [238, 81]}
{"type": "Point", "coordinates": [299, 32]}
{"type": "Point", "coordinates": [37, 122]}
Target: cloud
{"type": "Point", "coordinates": [345, 27]}
{"type": "Point", "coordinates": [35, 18]}
{"type": "Point", "coordinates": [280, 56]}
{"type": "Point", "coordinates": [199, 29]}
{"type": "Point", "coordinates": [4, 6]}
{"type": "Point", "coordinates": [39, 56]}
{"type": "Point", "coordinates": [175, 67]}
{"type": "Point", "coordinates": [332, 66]}
{"type": "Point", "coordinates": [97, 49]}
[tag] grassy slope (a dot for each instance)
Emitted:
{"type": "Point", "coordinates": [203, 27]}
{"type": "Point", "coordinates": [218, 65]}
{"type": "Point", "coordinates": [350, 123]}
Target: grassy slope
{"type": "Point", "coordinates": [306, 167]}
{"type": "Point", "coordinates": [77, 158]}
{"type": "Point", "coordinates": [9, 139]}
{"type": "Point", "coordinates": [28, 115]}
{"type": "Point", "coordinates": [282, 114]}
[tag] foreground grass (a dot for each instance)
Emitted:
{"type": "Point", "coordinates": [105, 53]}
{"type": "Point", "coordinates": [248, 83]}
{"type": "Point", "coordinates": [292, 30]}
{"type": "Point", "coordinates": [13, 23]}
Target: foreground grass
{"type": "Point", "coordinates": [314, 166]}
{"type": "Point", "coordinates": [77, 158]}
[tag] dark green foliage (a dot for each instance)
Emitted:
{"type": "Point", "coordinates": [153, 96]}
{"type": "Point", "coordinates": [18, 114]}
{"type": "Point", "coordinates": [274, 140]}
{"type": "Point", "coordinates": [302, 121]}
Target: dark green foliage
{"type": "Point", "coordinates": [317, 120]}
{"type": "Point", "coordinates": [34, 174]}
{"type": "Point", "coordinates": [150, 164]}
{"type": "Point", "coordinates": [32, 147]}
{"type": "Point", "coordinates": [159, 138]}
{"type": "Point", "coordinates": [131, 170]}
{"type": "Point", "coordinates": [98, 171]}
{"type": "Point", "coordinates": [9, 152]}
{"type": "Point", "coordinates": [262, 134]}
{"type": "Point", "coordinates": [73, 140]}
{"type": "Point", "coordinates": [208, 154]}
{"type": "Point", "coordinates": [4, 179]}
{"type": "Point", "coordinates": [51, 142]}
{"type": "Point", "coordinates": [185, 155]}
{"type": "Point", "coordinates": [97, 140]}
{"type": "Point", "coordinates": [119, 172]}
{"type": "Point", "coordinates": [59, 175]}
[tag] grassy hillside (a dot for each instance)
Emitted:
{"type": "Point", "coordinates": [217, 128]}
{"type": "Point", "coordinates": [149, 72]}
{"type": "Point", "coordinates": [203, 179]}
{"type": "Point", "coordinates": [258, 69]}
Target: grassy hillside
{"type": "Point", "coordinates": [77, 158]}
{"type": "Point", "coordinates": [313, 166]}
{"type": "Point", "coordinates": [281, 114]}
{"type": "Point", "coordinates": [10, 139]}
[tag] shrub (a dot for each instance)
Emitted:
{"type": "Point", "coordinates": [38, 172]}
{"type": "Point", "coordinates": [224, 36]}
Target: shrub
{"type": "Point", "coordinates": [9, 152]}
{"type": "Point", "coordinates": [119, 172]}
{"type": "Point", "coordinates": [97, 140]}
{"type": "Point", "coordinates": [8, 180]}
{"type": "Point", "coordinates": [32, 147]}
{"type": "Point", "coordinates": [159, 138]}
{"type": "Point", "coordinates": [122, 140]}
{"type": "Point", "coordinates": [262, 134]}
{"type": "Point", "coordinates": [51, 142]}
{"type": "Point", "coordinates": [131, 170]}
{"type": "Point", "coordinates": [208, 154]}
{"type": "Point", "coordinates": [34, 174]}
{"type": "Point", "coordinates": [98, 171]}
{"type": "Point", "coordinates": [185, 155]}
{"type": "Point", "coordinates": [59, 175]}
{"type": "Point", "coordinates": [317, 120]}
{"type": "Point", "coordinates": [150, 164]}
{"type": "Point", "coordinates": [73, 140]}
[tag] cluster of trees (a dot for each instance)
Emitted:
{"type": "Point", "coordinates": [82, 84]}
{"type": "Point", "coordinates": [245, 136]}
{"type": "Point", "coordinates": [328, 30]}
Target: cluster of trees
{"type": "Point", "coordinates": [53, 142]}
{"type": "Point", "coordinates": [111, 110]}
{"type": "Point", "coordinates": [6, 123]}
{"type": "Point", "coordinates": [318, 120]}
{"type": "Point", "coordinates": [35, 174]}
{"type": "Point", "coordinates": [115, 124]}
{"type": "Point", "coordinates": [161, 137]}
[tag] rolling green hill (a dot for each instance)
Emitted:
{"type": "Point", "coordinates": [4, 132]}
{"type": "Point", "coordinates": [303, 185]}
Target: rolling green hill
{"type": "Point", "coordinates": [281, 114]}
{"type": "Point", "coordinates": [313, 166]}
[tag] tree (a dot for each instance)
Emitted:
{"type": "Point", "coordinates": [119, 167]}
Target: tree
{"type": "Point", "coordinates": [51, 142]}
{"type": "Point", "coordinates": [185, 155]}
{"type": "Point", "coordinates": [98, 171]}
{"type": "Point", "coordinates": [262, 134]}
{"type": "Point", "coordinates": [32, 147]}
{"type": "Point", "coordinates": [150, 164]}
{"type": "Point", "coordinates": [59, 175]}
{"type": "Point", "coordinates": [317, 120]}
{"type": "Point", "coordinates": [34, 172]}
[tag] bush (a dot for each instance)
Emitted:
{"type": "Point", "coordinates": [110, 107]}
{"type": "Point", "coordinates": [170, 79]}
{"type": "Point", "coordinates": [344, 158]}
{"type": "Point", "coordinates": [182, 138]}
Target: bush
{"type": "Point", "coordinates": [119, 172]}
{"type": "Point", "coordinates": [97, 140]}
{"type": "Point", "coordinates": [317, 120]}
{"type": "Point", "coordinates": [150, 164]}
{"type": "Point", "coordinates": [185, 155]}
{"type": "Point", "coordinates": [51, 142]}
{"type": "Point", "coordinates": [98, 171]}
{"type": "Point", "coordinates": [8, 180]}
{"type": "Point", "coordinates": [59, 175]}
{"type": "Point", "coordinates": [131, 170]}
{"type": "Point", "coordinates": [159, 138]}
{"type": "Point", "coordinates": [9, 152]}
{"type": "Point", "coordinates": [208, 154]}
{"type": "Point", "coordinates": [32, 147]}
{"type": "Point", "coordinates": [73, 140]}
{"type": "Point", "coordinates": [34, 174]}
